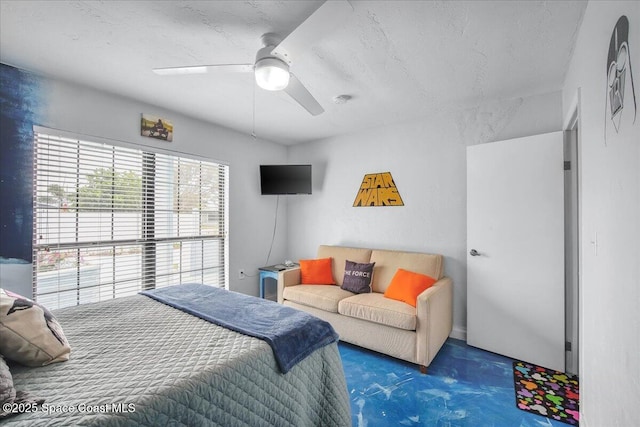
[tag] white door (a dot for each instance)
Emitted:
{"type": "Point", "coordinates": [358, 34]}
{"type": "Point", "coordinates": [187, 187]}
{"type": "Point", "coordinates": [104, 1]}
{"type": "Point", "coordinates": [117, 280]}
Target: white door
{"type": "Point", "coordinates": [515, 249]}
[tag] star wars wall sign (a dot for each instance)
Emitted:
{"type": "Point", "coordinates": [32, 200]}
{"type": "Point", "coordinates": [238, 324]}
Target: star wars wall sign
{"type": "Point", "coordinates": [621, 96]}
{"type": "Point", "coordinates": [155, 127]}
{"type": "Point", "coordinates": [378, 189]}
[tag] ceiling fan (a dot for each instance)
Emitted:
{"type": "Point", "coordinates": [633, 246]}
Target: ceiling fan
{"type": "Point", "coordinates": [272, 64]}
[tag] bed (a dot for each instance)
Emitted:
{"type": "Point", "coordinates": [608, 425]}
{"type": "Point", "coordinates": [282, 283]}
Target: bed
{"type": "Point", "coordinates": [137, 361]}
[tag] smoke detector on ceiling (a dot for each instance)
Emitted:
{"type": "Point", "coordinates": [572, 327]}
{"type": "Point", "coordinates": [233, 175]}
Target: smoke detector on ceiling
{"type": "Point", "coordinates": [341, 99]}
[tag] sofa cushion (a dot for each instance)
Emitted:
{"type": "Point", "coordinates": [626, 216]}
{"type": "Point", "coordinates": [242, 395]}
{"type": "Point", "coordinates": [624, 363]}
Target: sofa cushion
{"type": "Point", "coordinates": [340, 254]}
{"type": "Point", "coordinates": [374, 307]}
{"type": "Point", "coordinates": [407, 285]}
{"type": "Point", "coordinates": [357, 276]}
{"type": "Point", "coordinates": [316, 272]}
{"type": "Point", "coordinates": [323, 297]}
{"type": "Point", "coordinates": [388, 262]}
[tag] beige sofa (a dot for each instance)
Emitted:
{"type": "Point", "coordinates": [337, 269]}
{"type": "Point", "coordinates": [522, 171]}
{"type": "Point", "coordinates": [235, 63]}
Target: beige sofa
{"type": "Point", "coordinates": [370, 320]}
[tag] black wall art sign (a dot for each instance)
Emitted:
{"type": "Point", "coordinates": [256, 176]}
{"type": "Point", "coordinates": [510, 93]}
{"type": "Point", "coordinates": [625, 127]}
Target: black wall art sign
{"type": "Point", "coordinates": [621, 97]}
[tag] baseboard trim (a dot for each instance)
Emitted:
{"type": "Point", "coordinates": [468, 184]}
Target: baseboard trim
{"type": "Point", "coordinates": [583, 420]}
{"type": "Point", "coordinates": [459, 333]}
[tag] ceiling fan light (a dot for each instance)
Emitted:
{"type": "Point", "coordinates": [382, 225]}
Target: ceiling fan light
{"type": "Point", "coordinates": [272, 74]}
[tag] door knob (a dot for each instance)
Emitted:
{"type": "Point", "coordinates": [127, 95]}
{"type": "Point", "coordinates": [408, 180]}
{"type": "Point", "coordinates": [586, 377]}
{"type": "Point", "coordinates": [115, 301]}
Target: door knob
{"type": "Point", "coordinates": [473, 252]}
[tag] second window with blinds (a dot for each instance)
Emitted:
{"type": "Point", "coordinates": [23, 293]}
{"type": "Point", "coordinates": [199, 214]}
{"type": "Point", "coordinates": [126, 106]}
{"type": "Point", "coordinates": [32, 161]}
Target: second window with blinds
{"type": "Point", "coordinates": [110, 221]}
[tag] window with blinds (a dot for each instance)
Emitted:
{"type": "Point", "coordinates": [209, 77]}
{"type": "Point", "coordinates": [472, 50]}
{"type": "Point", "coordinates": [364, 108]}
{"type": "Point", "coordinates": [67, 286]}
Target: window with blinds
{"type": "Point", "coordinates": [110, 221]}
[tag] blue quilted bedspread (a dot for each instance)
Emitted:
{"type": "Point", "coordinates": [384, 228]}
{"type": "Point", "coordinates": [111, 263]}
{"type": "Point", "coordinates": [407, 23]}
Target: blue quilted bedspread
{"type": "Point", "coordinates": [291, 333]}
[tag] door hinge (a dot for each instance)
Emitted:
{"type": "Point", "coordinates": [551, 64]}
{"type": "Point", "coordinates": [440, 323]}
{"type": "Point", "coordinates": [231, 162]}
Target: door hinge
{"type": "Point", "coordinates": [567, 346]}
{"type": "Point", "coordinates": [567, 165]}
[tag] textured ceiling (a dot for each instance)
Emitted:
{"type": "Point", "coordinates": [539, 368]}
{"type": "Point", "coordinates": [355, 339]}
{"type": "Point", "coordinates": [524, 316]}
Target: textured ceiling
{"type": "Point", "coordinates": [398, 60]}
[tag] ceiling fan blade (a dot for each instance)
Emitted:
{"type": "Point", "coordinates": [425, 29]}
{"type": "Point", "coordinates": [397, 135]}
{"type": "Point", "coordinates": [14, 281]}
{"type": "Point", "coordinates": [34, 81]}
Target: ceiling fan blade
{"type": "Point", "coordinates": [297, 91]}
{"type": "Point", "coordinates": [204, 69]}
{"type": "Point", "coordinates": [322, 21]}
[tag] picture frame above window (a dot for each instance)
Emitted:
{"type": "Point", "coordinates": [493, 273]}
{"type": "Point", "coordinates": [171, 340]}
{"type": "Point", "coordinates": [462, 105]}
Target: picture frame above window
{"type": "Point", "coordinates": [156, 127]}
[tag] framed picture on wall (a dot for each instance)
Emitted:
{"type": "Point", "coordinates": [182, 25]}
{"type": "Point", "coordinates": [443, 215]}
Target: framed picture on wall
{"type": "Point", "coordinates": [156, 127]}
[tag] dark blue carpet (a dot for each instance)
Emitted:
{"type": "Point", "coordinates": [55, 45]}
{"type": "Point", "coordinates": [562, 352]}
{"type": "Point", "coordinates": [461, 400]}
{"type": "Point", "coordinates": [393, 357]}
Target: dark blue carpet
{"type": "Point", "coordinates": [465, 386]}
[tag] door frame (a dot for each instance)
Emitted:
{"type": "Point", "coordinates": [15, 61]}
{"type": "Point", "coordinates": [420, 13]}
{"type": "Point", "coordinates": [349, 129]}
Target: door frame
{"type": "Point", "coordinates": [573, 228]}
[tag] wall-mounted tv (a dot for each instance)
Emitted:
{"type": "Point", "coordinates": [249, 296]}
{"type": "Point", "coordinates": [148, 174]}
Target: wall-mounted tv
{"type": "Point", "coordinates": [285, 179]}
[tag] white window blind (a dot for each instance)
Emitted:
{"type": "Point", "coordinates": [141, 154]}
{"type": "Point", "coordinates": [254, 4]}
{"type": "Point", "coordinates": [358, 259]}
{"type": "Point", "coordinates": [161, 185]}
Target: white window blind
{"type": "Point", "coordinates": [110, 221]}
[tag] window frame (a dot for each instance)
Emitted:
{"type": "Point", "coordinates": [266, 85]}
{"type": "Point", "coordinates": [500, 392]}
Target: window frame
{"type": "Point", "coordinates": [148, 240]}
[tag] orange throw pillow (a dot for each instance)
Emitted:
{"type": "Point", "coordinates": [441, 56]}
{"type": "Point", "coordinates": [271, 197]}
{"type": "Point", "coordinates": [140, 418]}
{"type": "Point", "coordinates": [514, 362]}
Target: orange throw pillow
{"type": "Point", "coordinates": [316, 272]}
{"type": "Point", "coordinates": [407, 285]}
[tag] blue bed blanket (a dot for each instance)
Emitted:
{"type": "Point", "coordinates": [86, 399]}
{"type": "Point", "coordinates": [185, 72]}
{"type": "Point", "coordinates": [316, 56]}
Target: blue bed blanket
{"type": "Point", "coordinates": [291, 333]}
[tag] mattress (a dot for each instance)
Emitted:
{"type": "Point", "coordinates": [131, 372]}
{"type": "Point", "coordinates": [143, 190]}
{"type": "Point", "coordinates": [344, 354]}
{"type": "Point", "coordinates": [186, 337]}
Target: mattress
{"type": "Point", "coordinates": [138, 362]}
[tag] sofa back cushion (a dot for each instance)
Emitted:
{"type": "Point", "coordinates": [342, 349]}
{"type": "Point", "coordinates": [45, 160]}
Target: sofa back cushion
{"type": "Point", "coordinates": [388, 262]}
{"type": "Point", "coordinates": [340, 255]}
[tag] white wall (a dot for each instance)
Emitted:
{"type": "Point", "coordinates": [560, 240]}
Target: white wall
{"type": "Point", "coordinates": [88, 112]}
{"type": "Point", "coordinates": [427, 159]}
{"type": "Point", "coordinates": [610, 212]}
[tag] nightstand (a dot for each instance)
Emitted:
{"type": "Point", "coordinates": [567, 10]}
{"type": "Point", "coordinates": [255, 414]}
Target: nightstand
{"type": "Point", "coordinates": [270, 274]}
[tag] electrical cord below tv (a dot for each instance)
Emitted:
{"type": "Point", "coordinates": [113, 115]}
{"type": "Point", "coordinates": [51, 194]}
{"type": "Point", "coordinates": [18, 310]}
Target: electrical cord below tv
{"type": "Point", "coordinates": [275, 225]}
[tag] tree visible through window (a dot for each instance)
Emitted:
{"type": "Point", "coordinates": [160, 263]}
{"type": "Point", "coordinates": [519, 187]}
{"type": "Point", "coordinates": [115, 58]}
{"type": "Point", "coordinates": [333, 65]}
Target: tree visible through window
{"type": "Point", "coordinates": [110, 221]}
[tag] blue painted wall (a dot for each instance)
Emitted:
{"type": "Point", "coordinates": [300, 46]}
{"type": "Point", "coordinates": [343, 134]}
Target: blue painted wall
{"type": "Point", "coordinates": [20, 108]}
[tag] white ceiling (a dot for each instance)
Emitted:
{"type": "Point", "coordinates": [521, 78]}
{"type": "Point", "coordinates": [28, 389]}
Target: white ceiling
{"type": "Point", "coordinates": [399, 60]}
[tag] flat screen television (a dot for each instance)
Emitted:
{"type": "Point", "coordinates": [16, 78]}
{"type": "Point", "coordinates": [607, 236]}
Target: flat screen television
{"type": "Point", "coordinates": [285, 179]}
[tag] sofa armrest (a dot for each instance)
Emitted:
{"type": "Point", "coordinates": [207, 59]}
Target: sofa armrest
{"type": "Point", "coordinates": [288, 277]}
{"type": "Point", "coordinates": [434, 309]}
